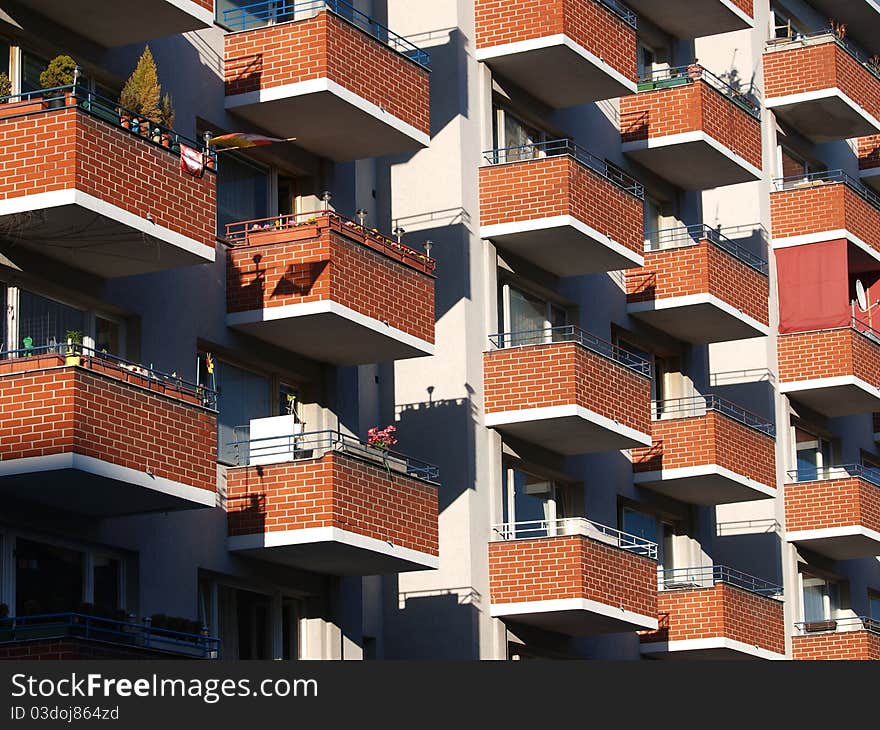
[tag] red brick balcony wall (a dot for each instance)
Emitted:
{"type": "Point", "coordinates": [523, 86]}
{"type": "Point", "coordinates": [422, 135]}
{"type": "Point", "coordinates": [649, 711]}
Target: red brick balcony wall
{"type": "Point", "coordinates": [328, 47]}
{"type": "Point", "coordinates": [209, 4]}
{"type": "Point", "coordinates": [853, 645]}
{"type": "Point", "coordinates": [586, 22]}
{"type": "Point", "coordinates": [817, 67]}
{"type": "Point", "coordinates": [869, 152]}
{"type": "Point", "coordinates": [565, 373]}
{"type": "Point", "coordinates": [821, 504]}
{"type": "Point", "coordinates": [711, 439]}
{"type": "Point", "coordinates": [553, 186]}
{"type": "Point", "coordinates": [52, 409]}
{"type": "Point", "coordinates": [700, 269]}
{"type": "Point", "coordinates": [746, 6]}
{"type": "Point", "coordinates": [327, 265]}
{"type": "Point", "coordinates": [720, 611]}
{"type": "Point", "coordinates": [828, 354]}
{"type": "Point", "coordinates": [695, 107]}
{"type": "Point", "coordinates": [336, 490]}
{"type": "Point", "coordinates": [555, 568]}
{"type": "Point", "coordinates": [69, 149]}
{"type": "Point", "coordinates": [73, 648]}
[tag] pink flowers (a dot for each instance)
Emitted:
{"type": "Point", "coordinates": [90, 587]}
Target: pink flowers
{"type": "Point", "coordinates": [382, 439]}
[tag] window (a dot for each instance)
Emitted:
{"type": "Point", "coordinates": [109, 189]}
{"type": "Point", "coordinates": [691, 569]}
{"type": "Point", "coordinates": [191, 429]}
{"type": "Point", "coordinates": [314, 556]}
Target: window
{"type": "Point", "coordinates": [874, 604]}
{"type": "Point", "coordinates": [242, 191]}
{"type": "Point", "coordinates": [813, 453]}
{"type": "Point", "coordinates": [108, 336]}
{"type": "Point", "coordinates": [48, 578]}
{"type": "Point", "coordinates": [31, 68]}
{"type": "Point", "coordinates": [531, 318]}
{"type": "Point", "coordinates": [534, 503]}
{"type": "Point", "coordinates": [649, 526]}
{"type": "Point", "coordinates": [107, 582]}
{"type": "Point", "coordinates": [43, 322]}
{"type": "Point", "coordinates": [510, 131]}
{"type": "Point", "coordinates": [821, 598]}
{"type": "Point", "coordinates": [292, 614]}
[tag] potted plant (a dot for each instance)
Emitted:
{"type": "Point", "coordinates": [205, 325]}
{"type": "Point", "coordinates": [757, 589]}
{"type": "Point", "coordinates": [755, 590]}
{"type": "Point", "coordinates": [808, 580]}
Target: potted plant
{"type": "Point", "coordinates": [140, 96]}
{"type": "Point", "coordinates": [58, 74]}
{"type": "Point", "coordinates": [166, 119]}
{"type": "Point", "coordinates": [73, 352]}
{"type": "Point", "coordinates": [380, 441]}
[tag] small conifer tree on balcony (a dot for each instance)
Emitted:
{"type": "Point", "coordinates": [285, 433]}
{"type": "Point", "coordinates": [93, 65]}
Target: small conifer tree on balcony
{"type": "Point", "coordinates": [142, 91]}
{"type": "Point", "coordinates": [58, 73]}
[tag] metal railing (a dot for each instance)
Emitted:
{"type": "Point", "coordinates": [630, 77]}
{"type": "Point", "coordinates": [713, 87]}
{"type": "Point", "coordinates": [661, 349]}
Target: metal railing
{"type": "Point", "coordinates": [314, 444]}
{"type": "Point", "coordinates": [575, 526]}
{"type": "Point", "coordinates": [127, 634]}
{"type": "Point", "coordinates": [794, 182]}
{"type": "Point", "coordinates": [840, 471]}
{"type": "Point", "coordinates": [865, 328]}
{"type": "Point", "coordinates": [621, 11]}
{"type": "Point", "coordinates": [699, 405]}
{"type": "Point", "coordinates": [824, 35]}
{"type": "Point", "coordinates": [838, 625]}
{"type": "Point", "coordinates": [261, 14]}
{"type": "Point", "coordinates": [680, 75]}
{"type": "Point", "coordinates": [92, 359]}
{"type": "Point", "coordinates": [707, 576]}
{"type": "Point", "coordinates": [566, 147]}
{"type": "Point", "coordinates": [570, 333]}
{"type": "Point", "coordinates": [681, 236]}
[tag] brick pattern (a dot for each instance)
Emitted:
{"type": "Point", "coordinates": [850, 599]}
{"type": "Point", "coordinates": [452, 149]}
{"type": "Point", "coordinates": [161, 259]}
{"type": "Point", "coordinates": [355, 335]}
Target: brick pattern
{"type": "Point", "coordinates": [556, 568]}
{"type": "Point", "coordinates": [324, 263]}
{"type": "Point", "coordinates": [869, 152]}
{"type": "Point", "coordinates": [326, 46]}
{"type": "Point", "coordinates": [710, 439]}
{"type": "Point", "coordinates": [565, 373]}
{"type": "Point", "coordinates": [721, 611]}
{"type": "Point", "coordinates": [335, 490]}
{"type": "Point", "coordinates": [746, 6]}
{"type": "Point", "coordinates": [694, 107]}
{"type": "Point", "coordinates": [56, 409]}
{"type": "Point", "coordinates": [828, 354]}
{"type": "Point", "coordinates": [700, 269]}
{"type": "Point", "coordinates": [586, 22]}
{"type": "Point", "coordinates": [817, 67]}
{"type": "Point", "coordinates": [852, 645]}
{"type": "Point", "coordinates": [69, 149]}
{"type": "Point", "coordinates": [74, 648]}
{"type": "Point", "coordinates": [209, 4]}
{"type": "Point", "coordinates": [826, 503]}
{"type": "Point", "coordinates": [553, 186]}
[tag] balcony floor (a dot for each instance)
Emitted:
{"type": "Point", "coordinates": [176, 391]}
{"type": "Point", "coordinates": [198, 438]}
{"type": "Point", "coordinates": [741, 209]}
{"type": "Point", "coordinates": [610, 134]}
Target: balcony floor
{"type": "Point", "coordinates": [704, 485]}
{"type": "Point", "coordinates": [698, 319]}
{"type": "Point", "coordinates": [824, 116]}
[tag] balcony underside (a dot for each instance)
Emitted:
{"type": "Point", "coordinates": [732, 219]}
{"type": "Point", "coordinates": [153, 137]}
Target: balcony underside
{"type": "Point", "coordinates": [567, 430]}
{"type": "Point", "coordinates": [704, 485]}
{"type": "Point", "coordinates": [698, 319]}
{"type": "Point", "coordinates": [712, 649]}
{"type": "Point", "coordinates": [687, 19]}
{"type": "Point", "coordinates": [329, 332]}
{"type": "Point", "coordinates": [691, 161]}
{"type": "Point", "coordinates": [562, 245]}
{"type": "Point", "coordinates": [556, 70]}
{"type": "Point", "coordinates": [834, 397]}
{"type": "Point", "coordinates": [824, 116]}
{"type": "Point", "coordinates": [328, 120]}
{"type": "Point", "coordinates": [573, 616]}
{"type": "Point", "coordinates": [839, 543]}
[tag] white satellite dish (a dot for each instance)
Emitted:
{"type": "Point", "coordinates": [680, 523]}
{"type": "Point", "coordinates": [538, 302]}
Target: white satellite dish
{"type": "Point", "coordinates": [861, 295]}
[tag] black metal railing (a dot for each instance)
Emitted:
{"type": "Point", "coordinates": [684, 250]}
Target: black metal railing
{"type": "Point", "coordinates": [567, 147]}
{"type": "Point", "coordinates": [621, 11]}
{"type": "Point", "coordinates": [834, 625]}
{"type": "Point", "coordinates": [680, 75]}
{"type": "Point", "coordinates": [841, 471]}
{"type": "Point", "coordinates": [707, 576]}
{"type": "Point", "coordinates": [681, 236]}
{"type": "Point", "coordinates": [698, 405]}
{"type": "Point", "coordinates": [794, 182]}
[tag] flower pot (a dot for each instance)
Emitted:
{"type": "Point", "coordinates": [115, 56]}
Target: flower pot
{"type": "Point", "coordinates": [73, 360]}
{"type": "Point", "coordinates": [281, 235]}
{"type": "Point", "coordinates": [125, 121]}
{"type": "Point", "coordinates": [166, 140]}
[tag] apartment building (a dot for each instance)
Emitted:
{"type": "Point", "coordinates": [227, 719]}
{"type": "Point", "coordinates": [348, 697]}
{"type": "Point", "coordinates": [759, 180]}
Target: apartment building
{"type": "Point", "coordinates": [609, 270]}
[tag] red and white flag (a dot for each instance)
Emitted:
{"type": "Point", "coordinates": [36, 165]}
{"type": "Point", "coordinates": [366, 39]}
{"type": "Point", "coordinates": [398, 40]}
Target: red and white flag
{"type": "Point", "coordinates": [192, 161]}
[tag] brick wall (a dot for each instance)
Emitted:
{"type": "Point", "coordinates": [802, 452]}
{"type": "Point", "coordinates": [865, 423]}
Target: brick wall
{"type": "Point", "coordinates": [209, 4]}
{"type": "Point", "coordinates": [586, 22]}
{"type": "Point", "coordinates": [710, 439]}
{"type": "Point", "coordinates": [74, 648]}
{"type": "Point", "coordinates": [55, 409]}
{"type": "Point", "coordinates": [556, 568]}
{"type": "Point", "coordinates": [335, 490]}
{"type": "Point", "coordinates": [326, 46]}
{"type": "Point", "coordinates": [700, 269]}
{"type": "Point", "coordinates": [720, 611]}
{"type": "Point", "coordinates": [821, 504]}
{"type": "Point", "coordinates": [565, 373]}
{"type": "Point", "coordinates": [552, 186]}
{"type": "Point", "coordinates": [869, 152]}
{"type": "Point", "coordinates": [828, 354]}
{"type": "Point", "coordinates": [746, 6]}
{"type": "Point", "coordinates": [65, 149]}
{"type": "Point", "coordinates": [328, 264]}
{"type": "Point", "coordinates": [853, 645]}
{"type": "Point", "coordinates": [694, 107]}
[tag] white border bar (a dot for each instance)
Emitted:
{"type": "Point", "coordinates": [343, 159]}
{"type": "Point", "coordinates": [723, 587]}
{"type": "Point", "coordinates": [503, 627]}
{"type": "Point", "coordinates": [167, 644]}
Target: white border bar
{"type": "Point", "coordinates": [719, 642]}
{"type": "Point", "coordinates": [501, 610]}
{"type": "Point", "coordinates": [692, 300]}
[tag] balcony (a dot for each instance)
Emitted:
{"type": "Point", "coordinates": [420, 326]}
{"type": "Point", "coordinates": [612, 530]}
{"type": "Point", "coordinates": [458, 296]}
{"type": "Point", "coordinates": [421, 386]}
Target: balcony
{"type": "Point", "coordinates": [699, 286]}
{"type": "Point", "coordinates": [707, 451]}
{"type": "Point", "coordinates": [834, 372]}
{"type": "Point", "coordinates": [346, 87]}
{"type": "Point", "coordinates": [327, 503]}
{"type": "Point", "coordinates": [861, 18]}
{"type": "Point", "coordinates": [572, 576]}
{"type": "Point", "coordinates": [563, 52]}
{"type": "Point", "coordinates": [91, 434]}
{"type": "Point", "coordinates": [834, 511]}
{"type": "Point", "coordinates": [693, 129]}
{"type": "Point", "coordinates": [685, 19]}
{"type": "Point", "coordinates": [110, 24]}
{"type": "Point", "coordinates": [91, 188]}
{"type": "Point", "coordinates": [822, 86]}
{"type": "Point", "coordinates": [854, 638]}
{"type": "Point", "coordinates": [567, 390]}
{"type": "Point", "coordinates": [561, 208]}
{"type": "Point", "coordinates": [869, 161]}
{"type": "Point", "coordinates": [330, 289]}
{"type": "Point", "coordinates": [716, 612]}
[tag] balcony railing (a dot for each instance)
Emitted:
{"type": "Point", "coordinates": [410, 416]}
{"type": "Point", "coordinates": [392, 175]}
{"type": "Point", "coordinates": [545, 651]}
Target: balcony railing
{"type": "Point", "coordinates": [567, 147]}
{"type": "Point", "coordinates": [843, 471]}
{"type": "Point", "coordinates": [622, 12]}
{"type": "Point", "coordinates": [314, 444]}
{"type": "Point", "coordinates": [801, 40]}
{"type": "Point", "coordinates": [699, 405]}
{"type": "Point", "coordinates": [793, 182]}
{"type": "Point", "coordinates": [569, 526]}
{"type": "Point", "coordinates": [680, 75]}
{"type": "Point", "coordinates": [682, 236]}
{"type": "Point", "coordinates": [671, 579]}
{"type": "Point", "coordinates": [258, 15]}
{"type": "Point", "coordinates": [852, 623]}
{"type": "Point", "coordinates": [126, 634]}
{"type": "Point", "coordinates": [570, 333]}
